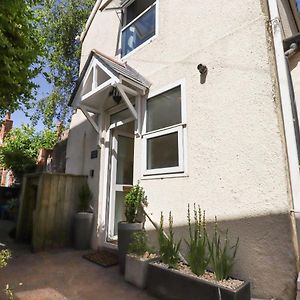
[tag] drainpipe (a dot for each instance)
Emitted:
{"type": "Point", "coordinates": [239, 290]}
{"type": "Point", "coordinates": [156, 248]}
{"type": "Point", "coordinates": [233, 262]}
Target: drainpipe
{"type": "Point", "coordinates": [285, 95]}
{"type": "Point", "coordinates": [287, 113]}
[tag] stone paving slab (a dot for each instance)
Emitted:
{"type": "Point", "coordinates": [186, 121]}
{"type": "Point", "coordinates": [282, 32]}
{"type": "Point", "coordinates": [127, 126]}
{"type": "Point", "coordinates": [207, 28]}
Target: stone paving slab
{"type": "Point", "coordinates": [62, 274]}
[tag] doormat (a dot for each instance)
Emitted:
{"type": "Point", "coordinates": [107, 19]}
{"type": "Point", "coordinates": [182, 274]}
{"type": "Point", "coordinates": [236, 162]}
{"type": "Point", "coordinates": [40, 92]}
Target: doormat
{"type": "Point", "coordinates": [103, 258]}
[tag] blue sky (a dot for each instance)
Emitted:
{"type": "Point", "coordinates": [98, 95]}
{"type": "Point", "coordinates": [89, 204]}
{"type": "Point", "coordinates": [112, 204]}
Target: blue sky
{"type": "Point", "coordinates": [19, 117]}
{"type": "Point", "coordinates": [298, 2]}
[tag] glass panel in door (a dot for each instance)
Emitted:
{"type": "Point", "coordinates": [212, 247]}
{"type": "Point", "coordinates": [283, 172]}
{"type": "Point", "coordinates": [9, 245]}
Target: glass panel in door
{"type": "Point", "coordinates": [121, 176]}
{"type": "Point", "coordinates": [125, 160]}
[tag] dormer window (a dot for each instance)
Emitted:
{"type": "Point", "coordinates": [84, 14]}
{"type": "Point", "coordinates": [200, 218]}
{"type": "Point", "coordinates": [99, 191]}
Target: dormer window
{"type": "Point", "coordinates": [139, 25]}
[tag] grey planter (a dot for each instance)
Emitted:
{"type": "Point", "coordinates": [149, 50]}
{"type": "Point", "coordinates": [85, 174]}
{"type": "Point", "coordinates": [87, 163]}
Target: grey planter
{"type": "Point", "coordinates": [170, 284]}
{"type": "Point", "coordinates": [136, 270]}
{"type": "Point", "coordinates": [83, 224]}
{"type": "Point", "coordinates": [125, 231]}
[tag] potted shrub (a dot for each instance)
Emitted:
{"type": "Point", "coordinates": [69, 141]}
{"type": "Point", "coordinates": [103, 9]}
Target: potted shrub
{"type": "Point", "coordinates": [83, 220]}
{"type": "Point", "coordinates": [134, 201]}
{"type": "Point", "coordinates": [137, 259]}
{"type": "Point", "coordinates": [193, 281]}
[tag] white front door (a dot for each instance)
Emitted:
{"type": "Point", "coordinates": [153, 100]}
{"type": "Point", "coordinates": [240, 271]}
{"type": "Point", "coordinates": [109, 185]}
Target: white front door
{"type": "Point", "coordinates": [121, 178]}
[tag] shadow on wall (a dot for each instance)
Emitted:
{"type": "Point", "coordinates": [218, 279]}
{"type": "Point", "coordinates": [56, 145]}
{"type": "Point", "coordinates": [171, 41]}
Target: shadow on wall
{"type": "Point", "coordinates": [265, 255]}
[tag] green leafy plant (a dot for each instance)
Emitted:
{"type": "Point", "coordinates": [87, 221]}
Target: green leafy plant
{"type": "Point", "coordinates": [139, 244]}
{"type": "Point", "coordinates": [5, 255]}
{"type": "Point", "coordinates": [20, 48]}
{"type": "Point", "coordinates": [60, 24]}
{"type": "Point", "coordinates": [85, 197]}
{"type": "Point", "coordinates": [20, 148]}
{"type": "Point", "coordinates": [135, 199]}
{"type": "Point", "coordinates": [198, 257]}
{"type": "Point", "coordinates": [168, 248]}
{"type": "Point", "coordinates": [222, 254]}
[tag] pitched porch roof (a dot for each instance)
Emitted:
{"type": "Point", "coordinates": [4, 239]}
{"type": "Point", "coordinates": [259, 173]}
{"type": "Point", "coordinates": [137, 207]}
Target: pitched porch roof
{"type": "Point", "coordinates": [118, 69]}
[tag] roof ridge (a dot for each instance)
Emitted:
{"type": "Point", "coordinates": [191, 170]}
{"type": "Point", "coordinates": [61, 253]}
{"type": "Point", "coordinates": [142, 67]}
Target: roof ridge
{"type": "Point", "coordinates": [124, 65]}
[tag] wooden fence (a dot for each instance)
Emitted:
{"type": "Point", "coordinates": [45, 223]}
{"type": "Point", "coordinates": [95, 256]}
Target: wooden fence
{"type": "Point", "coordinates": [47, 207]}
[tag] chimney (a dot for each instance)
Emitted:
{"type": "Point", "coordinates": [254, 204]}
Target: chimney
{"type": "Point", "coordinates": [6, 127]}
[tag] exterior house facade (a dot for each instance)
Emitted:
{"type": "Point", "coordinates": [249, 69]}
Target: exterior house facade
{"type": "Point", "coordinates": [194, 101]}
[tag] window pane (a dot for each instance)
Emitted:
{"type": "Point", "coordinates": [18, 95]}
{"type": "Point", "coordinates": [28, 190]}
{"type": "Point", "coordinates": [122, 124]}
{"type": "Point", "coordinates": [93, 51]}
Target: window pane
{"type": "Point", "coordinates": [164, 110]}
{"type": "Point", "coordinates": [162, 151]}
{"type": "Point", "coordinates": [125, 160]}
{"type": "Point", "coordinates": [135, 9]}
{"type": "Point", "coordinates": [138, 32]}
{"type": "Point", "coordinates": [88, 84]}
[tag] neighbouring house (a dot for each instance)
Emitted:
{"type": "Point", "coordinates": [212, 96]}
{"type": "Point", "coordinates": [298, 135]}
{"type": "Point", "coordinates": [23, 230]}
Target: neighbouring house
{"type": "Point", "coordinates": [6, 176]}
{"type": "Point", "coordinates": [199, 102]}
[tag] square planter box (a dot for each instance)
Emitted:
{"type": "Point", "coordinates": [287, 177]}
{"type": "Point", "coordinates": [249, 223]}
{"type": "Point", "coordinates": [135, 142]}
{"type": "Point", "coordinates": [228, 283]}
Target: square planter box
{"type": "Point", "coordinates": [171, 284]}
{"type": "Point", "coordinates": [136, 270]}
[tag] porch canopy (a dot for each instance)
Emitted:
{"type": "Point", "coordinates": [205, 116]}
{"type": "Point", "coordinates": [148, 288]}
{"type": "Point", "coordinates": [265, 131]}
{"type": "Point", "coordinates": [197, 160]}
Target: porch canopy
{"type": "Point", "coordinates": [104, 82]}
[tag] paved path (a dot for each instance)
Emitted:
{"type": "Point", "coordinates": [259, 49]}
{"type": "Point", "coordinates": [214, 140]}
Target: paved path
{"type": "Point", "coordinates": [61, 274]}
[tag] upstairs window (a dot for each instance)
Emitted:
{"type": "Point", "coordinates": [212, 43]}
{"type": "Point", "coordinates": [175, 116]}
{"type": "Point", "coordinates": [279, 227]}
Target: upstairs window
{"type": "Point", "coordinates": [164, 133]}
{"type": "Point", "coordinates": [139, 25]}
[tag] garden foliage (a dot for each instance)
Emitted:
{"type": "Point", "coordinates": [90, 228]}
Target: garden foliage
{"type": "Point", "coordinates": [168, 248]}
{"type": "Point", "coordinates": [198, 257]}
{"type": "Point", "coordinates": [20, 148]}
{"type": "Point", "coordinates": [222, 254]}
{"type": "Point", "coordinates": [135, 199]}
{"type": "Point", "coordinates": [139, 244]}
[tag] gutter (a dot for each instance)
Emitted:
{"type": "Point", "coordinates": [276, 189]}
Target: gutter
{"type": "Point", "coordinates": [90, 20]}
{"type": "Point", "coordinates": [286, 98]}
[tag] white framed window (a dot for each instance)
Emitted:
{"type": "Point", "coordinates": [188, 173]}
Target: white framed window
{"type": "Point", "coordinates": [164, 131]}
{"type": "Point", "coordinates": [139, 25]}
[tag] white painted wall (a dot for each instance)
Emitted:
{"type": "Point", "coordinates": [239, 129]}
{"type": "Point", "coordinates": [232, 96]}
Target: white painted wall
{"type": "Point", "coordinates": [237, 166]}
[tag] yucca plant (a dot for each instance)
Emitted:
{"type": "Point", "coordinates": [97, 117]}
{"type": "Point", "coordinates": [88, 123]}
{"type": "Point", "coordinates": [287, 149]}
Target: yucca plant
{"type": "Point", "coordinates": [198, 257]}
{"type": "Point", "coordinates": [168, 248]}
{"type": "Point", "coordinates": [222, 254]}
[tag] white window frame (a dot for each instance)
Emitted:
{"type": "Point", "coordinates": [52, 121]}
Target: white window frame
{"type": "Point", "coordinates": [156, 4]}
{"type": "Point", "coordinates": [180, 128]}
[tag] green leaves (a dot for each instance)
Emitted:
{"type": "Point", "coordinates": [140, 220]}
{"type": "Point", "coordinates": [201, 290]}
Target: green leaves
{"type": "Point", "coordinates": [134, 200]}
{"type": "Point", "coordinates": [19, 49]}
{"type": "Point", "coordinates": [20, 148]}
{"type": "Point", "coordinates": [168, 248]}
{"type": "Point", "coordinates": [85, 198]}
{"type": "Point", "coordinates": [198, 257]}
{"type": "Point", "coordinates": [5, 255]}
{"type": "Point", "coordinates": [139, 244]}
{"type": "Point", "coordinates": [203, 251]}
{"type": "Point", "coordinates": [60, 25]}
{"type": "Point", "coordinates": [222, 254]}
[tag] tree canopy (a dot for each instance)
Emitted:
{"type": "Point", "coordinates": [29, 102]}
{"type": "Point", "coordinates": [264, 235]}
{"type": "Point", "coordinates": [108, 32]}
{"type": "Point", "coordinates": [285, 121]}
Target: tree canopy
{"type": "Point", "coordinates": [40, 37]}
{"type": "Point", "coordinates": [60, 25]}
{"type": "Point", "coordinates": [20, 148]}
{"type": "Point", "coordinates": [19, 49]}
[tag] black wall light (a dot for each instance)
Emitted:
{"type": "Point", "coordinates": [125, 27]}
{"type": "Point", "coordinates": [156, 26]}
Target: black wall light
{"type": "Point", "coordinates": [203, 72]}
{"type": "Point", "coordinates": [115, 95]}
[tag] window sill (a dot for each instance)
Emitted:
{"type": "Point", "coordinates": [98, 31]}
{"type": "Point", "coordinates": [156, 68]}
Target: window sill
{"type": "Point", "coordinates": [163, 176]}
